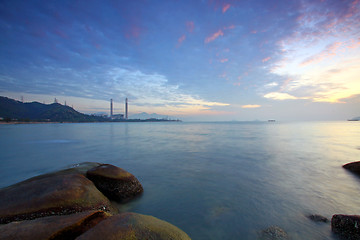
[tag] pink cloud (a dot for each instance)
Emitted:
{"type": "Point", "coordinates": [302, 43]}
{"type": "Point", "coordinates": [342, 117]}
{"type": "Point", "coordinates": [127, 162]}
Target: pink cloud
{"type": "Point", "coordinates": [229, 27]}
{"type": "Point", "coordinates": [226, 7]}
{"type": "Point", "coordinates": [224, 60]}
{"type": "Point", "coordinates": [190, 26]}
{"type": "Point", "coordinates": [253, 31]}
{"type": "Point", "coordinates": [133, 32]}
{"type": "Point", "coordinates": [266, 59]}
{"type": "Point", "coordinates": [329, 51]}
{"type": "Point", "coordinates": [354, 43]}
{"type": "Point", "coordinates": [237, 84]}
{"type": "Point", "coordinates": [214, 36]}
{"type": "Point", "coordinates": [180, 40]}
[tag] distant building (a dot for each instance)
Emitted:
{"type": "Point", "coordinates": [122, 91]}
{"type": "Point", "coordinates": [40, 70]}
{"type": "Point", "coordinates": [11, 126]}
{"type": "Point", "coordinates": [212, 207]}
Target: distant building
{"type": "Point", "coordinates": [117, 116]}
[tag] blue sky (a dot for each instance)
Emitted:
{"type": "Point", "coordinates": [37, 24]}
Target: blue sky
{"type": "Point", "coordinates": [196, 60]}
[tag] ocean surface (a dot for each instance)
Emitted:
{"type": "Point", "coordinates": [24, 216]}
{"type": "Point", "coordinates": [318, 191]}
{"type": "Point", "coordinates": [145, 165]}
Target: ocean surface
{"type": "Point", "coordinates": [224, 180]}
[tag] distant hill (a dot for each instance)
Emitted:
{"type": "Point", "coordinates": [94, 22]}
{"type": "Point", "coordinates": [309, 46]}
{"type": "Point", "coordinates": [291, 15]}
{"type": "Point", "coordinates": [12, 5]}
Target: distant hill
{"type": "Point", "coordinates": [145, 115]}
{"type": "Point", "coordinates": [11, 109]}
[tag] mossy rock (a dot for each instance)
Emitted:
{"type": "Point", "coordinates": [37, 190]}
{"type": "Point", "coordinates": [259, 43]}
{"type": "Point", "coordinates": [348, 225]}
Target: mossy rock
{"type": "Point", "coordinates": [273, 233]}
{"type": "Point", "coordinates": [50, 194]}
{"type": "Point", "coordinates": [133, 226]}
{"type": "Point", "coordinates": [53, 227]}
{"type": "Point", "coordinates": [115, 182]}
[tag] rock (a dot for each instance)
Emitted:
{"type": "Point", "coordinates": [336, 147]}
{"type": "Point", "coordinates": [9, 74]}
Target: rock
{"type": "Point", "coordinates": [50, 194]}
{"type": "Point", "coordinates": [53, 227]}
{"type": "Point", "coordinates": [347, 226]}
{"type": "Point", "coordinates": [318, 218]}
{"type": "Point", "coordinates": [353, 167]}
{"type": "Point", "coordinates": [274, 233]}
{"type": "Point", "coordinates": [134, 226]}
{"type": "Point", "coordinates": [115, 182]}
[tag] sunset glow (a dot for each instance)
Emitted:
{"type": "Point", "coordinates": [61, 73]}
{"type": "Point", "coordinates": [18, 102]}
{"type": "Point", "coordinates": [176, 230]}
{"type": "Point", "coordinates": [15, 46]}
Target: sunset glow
{"type": "Point", "coordinates": [217, 57]}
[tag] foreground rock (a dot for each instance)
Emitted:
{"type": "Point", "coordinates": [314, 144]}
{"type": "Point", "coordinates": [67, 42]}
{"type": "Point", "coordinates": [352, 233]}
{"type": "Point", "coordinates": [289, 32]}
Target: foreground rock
{"type": "Point", "coordinates": [114, 182]}
{"type": "Point", "coordinates": [353, 167]}
{"type": "Point", "coordinates": [133, 226]}
{"type": "Point", "coordinates": [318, 218]}
{"type": "Point", "coordinates": [54, 227]}
{"type": "Point", "coordinates": [347, 226]}
{"type": "Point", "coordinates": [28, 208]}
{"type": "Point", "coordinates": [51, 194]}
{"type": "Point", "coordinates": [274, 233]}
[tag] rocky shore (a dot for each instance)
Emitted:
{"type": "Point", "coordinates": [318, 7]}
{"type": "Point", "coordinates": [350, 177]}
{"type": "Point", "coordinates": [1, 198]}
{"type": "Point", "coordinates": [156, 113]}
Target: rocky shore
{"type": "Point", "coordinates": [345, 227]}
{"type": "Point", "coordinates": [74, 203]}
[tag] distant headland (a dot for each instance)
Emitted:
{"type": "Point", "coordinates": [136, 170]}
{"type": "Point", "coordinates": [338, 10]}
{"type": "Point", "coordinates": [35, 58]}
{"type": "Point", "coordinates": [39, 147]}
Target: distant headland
{"type": "Point", "coordinates": [12, 111]}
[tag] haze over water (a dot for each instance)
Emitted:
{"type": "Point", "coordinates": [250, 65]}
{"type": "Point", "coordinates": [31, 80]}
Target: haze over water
{"type": "Point", "coordinates": [218, 180]}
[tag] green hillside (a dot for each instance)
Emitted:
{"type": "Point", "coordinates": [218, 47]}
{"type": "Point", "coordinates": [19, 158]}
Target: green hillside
{"type": "Point", "coordinates": [11, 109]}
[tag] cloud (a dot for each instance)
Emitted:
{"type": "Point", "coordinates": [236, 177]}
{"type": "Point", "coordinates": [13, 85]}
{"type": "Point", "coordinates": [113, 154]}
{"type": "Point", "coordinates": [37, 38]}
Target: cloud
{"type": "Point", "coordinates": [329, 51]}
{"type": "Point", "coordinates": [226, 7]}
{"type": "Point", "coordinates": [266, 59]}
{"type": "Point", "coordinates": [214, 36]}
{"type": "Point", "coordinates": [229, 27]}
{"type": "Point", "coordinates": [224, 60]}
{"type": "Point", "coordinates": [180, 40]}
{"type": "Point", "coordinates": [272, 84]}
{"type": "Point", "coordinates": [153, 89]}
{"type": "Point", "coordinates": [190, 26]}
{"type": "Point", "coordinates": [250, 106]}
{"type": "Point", "coordinates": [320, 60]}
{"type": "Point", "coordinates": [280, 96]}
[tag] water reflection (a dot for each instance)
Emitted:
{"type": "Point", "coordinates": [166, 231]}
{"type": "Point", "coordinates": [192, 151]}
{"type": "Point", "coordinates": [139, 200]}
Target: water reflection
{"type": "Point", "coordinates": [213, 180]}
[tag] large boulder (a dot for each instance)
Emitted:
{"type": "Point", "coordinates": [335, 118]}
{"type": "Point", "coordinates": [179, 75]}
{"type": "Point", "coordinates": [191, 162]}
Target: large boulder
{"type": "Point", "coordinates": [274, 233]}
{"type": "Point", "coordinates": [353, 167]}
{"type": "Point", "coordinates": [50, 194]}
{"type": "Point", "coordinates": [347, 226]}
{"type": "Point", "coordinates": [133, 226]}
{"type": "Point", "coordinates": [114, 182]}
{"type": "Point", "coordinates": [53, 227]}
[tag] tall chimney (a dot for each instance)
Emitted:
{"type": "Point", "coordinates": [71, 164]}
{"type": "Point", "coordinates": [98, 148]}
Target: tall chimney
{"type": "Point", "coordinates": [126, 108]}
{"type": "Point", "coordinates": [111, 107]}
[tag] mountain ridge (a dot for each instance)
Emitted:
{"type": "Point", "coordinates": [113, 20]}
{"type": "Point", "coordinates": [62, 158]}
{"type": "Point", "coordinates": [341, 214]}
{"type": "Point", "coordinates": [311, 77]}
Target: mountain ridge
{"type": "Point", "coordinates": [11, 109]}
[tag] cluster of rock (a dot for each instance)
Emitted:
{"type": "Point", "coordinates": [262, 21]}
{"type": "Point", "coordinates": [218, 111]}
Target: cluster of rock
{"type": "Point", "coordinates": [75, 204]}
{"type": "Point", "coordinates": [345, 226]}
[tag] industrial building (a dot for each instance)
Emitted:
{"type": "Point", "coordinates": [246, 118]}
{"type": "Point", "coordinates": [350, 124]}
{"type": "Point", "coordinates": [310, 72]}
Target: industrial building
{"type": "Point", "coordinates": [118, 116]}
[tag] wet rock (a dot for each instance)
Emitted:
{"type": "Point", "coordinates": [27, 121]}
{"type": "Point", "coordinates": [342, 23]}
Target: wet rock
{"type": "Point", "coordinates": [318, 218]}
{"type": "Point", "coordinates": [353, 167]}
{"type": "Point", "coordinates": [274, 233]}
{"type": "Point", "coordinates": [50, 194]}
{"type": "Point", "coordinates": [134, 226]}
{"type": "Point", "coordinates": [347, 226]}
{"type": "Point", "coordinates": [115, 182]}
{"type": "Point", "coordinates": [53, 227]}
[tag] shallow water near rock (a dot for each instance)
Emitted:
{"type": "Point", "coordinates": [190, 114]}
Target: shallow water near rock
{"type": "Point", "coordinates": [212, 180]}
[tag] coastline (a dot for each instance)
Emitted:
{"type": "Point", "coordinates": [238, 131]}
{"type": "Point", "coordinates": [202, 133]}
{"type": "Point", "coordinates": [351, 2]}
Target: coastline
{"type": "Point", "coordinates": [130, 120]}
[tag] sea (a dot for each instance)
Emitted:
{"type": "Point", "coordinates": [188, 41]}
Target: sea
{"type": "Point", "coordinates": [214, 180]}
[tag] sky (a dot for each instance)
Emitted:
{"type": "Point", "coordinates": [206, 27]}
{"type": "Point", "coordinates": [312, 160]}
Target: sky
{"type": "Point", "coordinates": [197, 60]}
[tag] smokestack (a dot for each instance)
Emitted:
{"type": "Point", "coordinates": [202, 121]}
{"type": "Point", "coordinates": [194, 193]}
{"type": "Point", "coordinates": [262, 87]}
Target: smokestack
{"type": "Point", "coordinates": [111, 107]}
{"type": "Point", "coordinates": [126, 108]}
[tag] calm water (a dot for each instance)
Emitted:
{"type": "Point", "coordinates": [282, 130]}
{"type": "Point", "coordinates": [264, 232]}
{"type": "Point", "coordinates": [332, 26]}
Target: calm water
{"type": "Point", "coordinates": [213, 180]}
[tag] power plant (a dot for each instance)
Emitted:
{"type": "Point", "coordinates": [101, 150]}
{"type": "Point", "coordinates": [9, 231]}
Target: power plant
{"type": "Point", "coordinates": [111, 108]}
{"type": "Point", "coordinates": [118, 116]}
{"type": "Point", "coordinates": [126, 108]}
